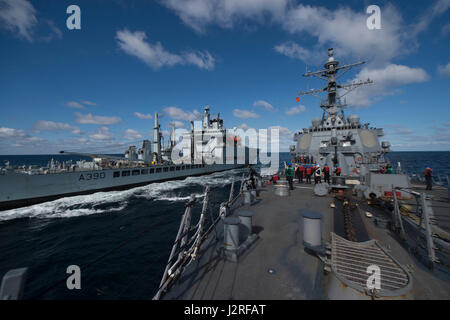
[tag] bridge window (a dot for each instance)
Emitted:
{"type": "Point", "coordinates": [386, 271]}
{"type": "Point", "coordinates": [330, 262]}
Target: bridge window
{"type": "Point", "coordinates": [178, 168]}
{"type": "Point", "coordinates": [116, 174]}
{"type": "Point", "coordinates": [136, 172]}
{"type": "Point", "coordinates": [125, 173]}
{"type": "Point", "coordinates": [166, 169]}
{"type": "Point", "coordinates": [172, 168]}
{"type": "Point", "coordinates": [152, 170]}
{"type": "Point", "coordinates": [158, 170]}
{"type": "Point", "coordinates": [144, 171]}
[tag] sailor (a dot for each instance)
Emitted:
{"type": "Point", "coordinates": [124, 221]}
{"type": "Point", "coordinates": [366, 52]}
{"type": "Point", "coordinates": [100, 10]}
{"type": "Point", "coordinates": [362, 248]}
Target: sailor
{"type": "Point", "coordinates": [383, 169]}
{"type": "Point", "coordinates": [337, 170]}
{"type": "Point", "coordinates": [252, 177]}
{"type": "Point", "coordinates": [326, 173]}
{"type": "Point", "coordinates": [301, 173]}
{"type": "Point", "coordinates": [308, 174]}
{"type": "Point", "coordinates": [428, 177]}
{"type": "Point", "coordinates": [389, 169]}
{"type": "Point", "coordinates": [274, 178]}
{"type": "Point", "coordinates": [290, 176]}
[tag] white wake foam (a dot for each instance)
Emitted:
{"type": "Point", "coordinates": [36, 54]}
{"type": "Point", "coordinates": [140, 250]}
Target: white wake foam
{"type": "Point", "coordinates": [104, 202]}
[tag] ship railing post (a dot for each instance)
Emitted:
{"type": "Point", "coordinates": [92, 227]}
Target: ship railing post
{"type": "Point", "coordinates": [397, 215]}
{"type": "Point", "coordinates": [242, 183]}
{"type": "Point", "coordinates": [200, 224]}
{"type": "Point", "coordinates": [187, 224]}
{"type": "Point", "coordinates": [172, 253]}
{"type": "Point", "coordinates": [230, 198]}
{"type": "Point", "coordinates": [427, 213]}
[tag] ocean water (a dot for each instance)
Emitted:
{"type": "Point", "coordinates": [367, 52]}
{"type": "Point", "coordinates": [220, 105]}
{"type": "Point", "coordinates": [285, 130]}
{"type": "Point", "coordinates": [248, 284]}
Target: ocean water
{"type": "Point", "coordinates": [120, 239]}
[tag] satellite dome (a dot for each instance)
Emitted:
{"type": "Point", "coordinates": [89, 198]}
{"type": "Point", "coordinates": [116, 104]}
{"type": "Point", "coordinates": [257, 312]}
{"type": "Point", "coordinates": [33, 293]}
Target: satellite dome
{"type": "Point", "coordinates": [353, 119]}
{"type": "Point", "coordinates": [316, 122]}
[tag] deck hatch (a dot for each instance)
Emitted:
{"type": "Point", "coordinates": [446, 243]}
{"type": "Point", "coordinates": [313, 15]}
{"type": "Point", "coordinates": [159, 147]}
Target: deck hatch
{"type": "Point", "coordinates": [350, 261]}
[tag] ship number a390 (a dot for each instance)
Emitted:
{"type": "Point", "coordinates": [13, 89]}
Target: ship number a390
{"type": "Point", "coordinates": [92, 176]}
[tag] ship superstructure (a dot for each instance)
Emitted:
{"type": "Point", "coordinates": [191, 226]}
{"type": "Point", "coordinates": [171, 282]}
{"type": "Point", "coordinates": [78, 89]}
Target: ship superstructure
{"type": "Point", "coordinates": [335, 139]}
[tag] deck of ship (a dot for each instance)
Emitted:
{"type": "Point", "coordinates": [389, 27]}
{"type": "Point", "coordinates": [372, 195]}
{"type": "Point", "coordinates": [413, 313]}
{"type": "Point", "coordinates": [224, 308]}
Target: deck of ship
{"type": "Point", "coordinates": [278, 267]}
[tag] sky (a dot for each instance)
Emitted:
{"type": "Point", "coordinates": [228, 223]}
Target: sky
{"type": "Point", "coordinates": [97, 88]}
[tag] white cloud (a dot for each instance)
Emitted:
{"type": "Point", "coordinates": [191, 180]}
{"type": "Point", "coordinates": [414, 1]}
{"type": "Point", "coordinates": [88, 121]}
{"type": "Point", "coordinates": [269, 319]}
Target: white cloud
{"type": "Point", "coordinates": [89, 103]}
{"type": "Point", "coordinates": [283, 131]}
{"type": "Point", "coordinates": [296, 110]}
{"type": "Point", "coordinates": [177, 124]}
{"type": "Point", "coordinates": [143, 116]}
{"type": "Point", "coordinates": [385, 80]}
{"type": "Point", "coordinates": [264, 104]}
{"type": "Point", "coordinates": [55, 32]}
{"type": "Point", "coordinates": [55, 126]}
{"type": "Point", "coordinates": [293, 50]}
{"type": "Point", "coordinates": [18, 16]}
{"type": "Point", "coordinates": [437, 9]}
{"type": "Point", "coordinates": [244, 114]}
{"type": "Point", "coordinates": [74, 104]}
{"type": "Point", "coordinates": [155, 56]}
{"type": "Point", "coordinates": [91, 119]}
{"type": "Point", "coordinates": [244, 126]}
{"type": "Point", "coordinates": [445, 29]}
{"type": "Point", "coordinates": [101, 134]}
{"type": "Point", "coordinates": [203, 60]}
{"type": "Point", "coordinates": [179, 114]}
{"type": "Point", "coordinates": [444, 70]}
{"type": "Point", "coordinates": [197, 14]}
{"type": "Point", "coordinates": [346, 31]}
{"type": "Point", "coordinates": [131, 134]}
{"type": "Point", "coordinates": [11, 133]}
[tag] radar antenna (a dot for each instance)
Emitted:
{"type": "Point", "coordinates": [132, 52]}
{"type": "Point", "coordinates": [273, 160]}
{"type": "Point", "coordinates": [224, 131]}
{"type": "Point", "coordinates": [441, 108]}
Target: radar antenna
{"type": "Point", "coordinates": [331, 73]}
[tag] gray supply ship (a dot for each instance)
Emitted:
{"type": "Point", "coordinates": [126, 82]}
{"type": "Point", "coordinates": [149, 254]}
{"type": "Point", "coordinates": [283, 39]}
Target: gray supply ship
{"type": "Point", "coordinates": [203, 151]}
{"type": "Point", "coordinates": [367, 234]}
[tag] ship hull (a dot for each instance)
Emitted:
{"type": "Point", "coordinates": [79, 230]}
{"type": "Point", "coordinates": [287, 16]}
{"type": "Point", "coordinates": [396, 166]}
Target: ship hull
{"type": "Point", "coordinates": [20, 190]}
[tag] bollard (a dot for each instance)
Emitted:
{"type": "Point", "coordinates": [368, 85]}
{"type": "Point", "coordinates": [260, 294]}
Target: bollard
{"type": "Point", "coordinates": [247, 197]}
{"type": "Point", "coordinates": [231, 233]}
{"type": "Point", "coordinates": [312, 230]}
{"type": "Point", "coordinates": [246, 223]}
{"type": "Point", "coordinates": [12, 284]}
{"type": "Point", "coordinates": [253, 195]}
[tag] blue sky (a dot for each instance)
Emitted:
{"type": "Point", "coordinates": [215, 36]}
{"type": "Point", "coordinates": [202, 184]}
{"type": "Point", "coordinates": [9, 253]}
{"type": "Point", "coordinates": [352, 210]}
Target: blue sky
{"type": "Point", "coordinates": [96, 89]}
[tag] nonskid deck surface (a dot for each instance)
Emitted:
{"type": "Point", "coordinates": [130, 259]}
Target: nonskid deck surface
{"type": "Point", "coordinates": [276, 266]}
{"type": "Point", "coordinates": [427, 284]}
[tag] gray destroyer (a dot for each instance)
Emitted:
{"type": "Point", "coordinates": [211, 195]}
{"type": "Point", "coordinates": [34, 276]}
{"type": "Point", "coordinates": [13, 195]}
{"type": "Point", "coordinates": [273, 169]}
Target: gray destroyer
{"type": "Point", "coordinates": [203, 152]}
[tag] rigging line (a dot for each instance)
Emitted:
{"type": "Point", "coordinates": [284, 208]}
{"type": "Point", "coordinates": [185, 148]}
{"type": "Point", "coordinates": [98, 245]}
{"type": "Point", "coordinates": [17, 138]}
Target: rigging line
{"type": "Point", "coordinates": [59, 282]}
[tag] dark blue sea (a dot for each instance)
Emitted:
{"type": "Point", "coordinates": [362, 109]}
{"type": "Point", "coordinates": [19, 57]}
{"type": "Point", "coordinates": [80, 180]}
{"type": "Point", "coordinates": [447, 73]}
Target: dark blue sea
{"type": "Point", "coordinates": [120, 239]}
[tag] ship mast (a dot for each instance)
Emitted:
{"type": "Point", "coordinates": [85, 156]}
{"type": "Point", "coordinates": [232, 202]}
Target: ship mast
{"type": "Point", "coordinates": [332, 104]}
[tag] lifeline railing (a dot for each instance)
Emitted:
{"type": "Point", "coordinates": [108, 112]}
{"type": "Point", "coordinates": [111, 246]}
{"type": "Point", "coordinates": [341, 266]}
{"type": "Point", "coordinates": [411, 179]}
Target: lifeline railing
{"type": "Point", "coordinates": [427, 219]}
{"type": "Point", "coordinates": [186, 248]}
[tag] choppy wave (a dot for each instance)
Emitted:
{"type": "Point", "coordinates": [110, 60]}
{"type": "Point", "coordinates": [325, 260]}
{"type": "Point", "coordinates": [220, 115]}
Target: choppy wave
{"type": "Point", "coordinates": [114, 201]}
